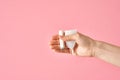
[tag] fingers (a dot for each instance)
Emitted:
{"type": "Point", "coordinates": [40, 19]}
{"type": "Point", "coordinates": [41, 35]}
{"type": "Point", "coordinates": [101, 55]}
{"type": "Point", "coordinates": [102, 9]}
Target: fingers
{"type": "Point", "coordinates": [62, 50]}
{"type": "Point", "coordinates": [56, 48]}
{"type": "Point", "coordinates": [54, 42]}
{"type": "Point", "coordinates": [55, 37]}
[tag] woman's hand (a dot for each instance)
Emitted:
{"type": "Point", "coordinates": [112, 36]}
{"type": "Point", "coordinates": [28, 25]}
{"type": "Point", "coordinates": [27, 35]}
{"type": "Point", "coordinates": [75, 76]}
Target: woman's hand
{"type": "Point", "coordinates": [84, 45]}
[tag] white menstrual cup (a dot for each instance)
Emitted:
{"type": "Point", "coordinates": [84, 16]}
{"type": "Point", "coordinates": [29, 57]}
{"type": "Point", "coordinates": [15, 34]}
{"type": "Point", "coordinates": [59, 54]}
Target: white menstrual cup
{"type": "Point", "coordinates": [70, 44]}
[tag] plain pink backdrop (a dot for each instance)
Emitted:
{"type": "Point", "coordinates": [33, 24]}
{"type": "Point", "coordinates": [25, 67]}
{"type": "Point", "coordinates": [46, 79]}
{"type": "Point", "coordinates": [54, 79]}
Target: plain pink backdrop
{"type": "Point", "coordinates": [26, 27]}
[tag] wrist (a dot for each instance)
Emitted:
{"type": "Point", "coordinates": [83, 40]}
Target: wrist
{"type": "Point", "coordinates": [97, 48]}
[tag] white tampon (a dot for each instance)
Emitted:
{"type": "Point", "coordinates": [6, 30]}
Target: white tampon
{"type": "Point", "coordinates": [70, 44]}
{"type": "Point", "coordinates": [61, 33]}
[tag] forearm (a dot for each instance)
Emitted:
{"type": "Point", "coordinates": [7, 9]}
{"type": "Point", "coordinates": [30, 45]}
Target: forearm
{"type": "Point", "coordinates": [107, 52]}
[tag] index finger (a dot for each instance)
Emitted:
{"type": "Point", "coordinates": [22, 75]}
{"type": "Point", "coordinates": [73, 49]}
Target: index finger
{"type": "Point", "coordinates": [55, 37]}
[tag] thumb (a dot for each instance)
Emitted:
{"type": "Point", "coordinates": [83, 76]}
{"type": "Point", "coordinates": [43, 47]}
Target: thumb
{"type": "Point", "coordinates": [68, 37]}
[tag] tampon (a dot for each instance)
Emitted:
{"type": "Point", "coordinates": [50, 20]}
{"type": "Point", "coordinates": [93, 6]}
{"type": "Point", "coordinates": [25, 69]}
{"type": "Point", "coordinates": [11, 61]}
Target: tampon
{"type": "Point", "coordinates": [61, 33]}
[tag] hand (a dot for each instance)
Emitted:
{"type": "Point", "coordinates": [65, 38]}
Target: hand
{"type": "Point", "coordinates": [84, 45]}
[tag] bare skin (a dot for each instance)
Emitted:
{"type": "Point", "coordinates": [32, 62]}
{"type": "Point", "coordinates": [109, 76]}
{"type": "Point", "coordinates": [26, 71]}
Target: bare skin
{"type": "Point", "coordinates": [88, 47]}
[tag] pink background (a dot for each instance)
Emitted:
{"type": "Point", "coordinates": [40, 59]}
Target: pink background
{"type": "Point", "coordinates": [26, 27]}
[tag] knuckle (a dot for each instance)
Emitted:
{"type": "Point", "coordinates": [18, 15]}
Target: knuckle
{"type": "Point", "coordinates": [77, 34]}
